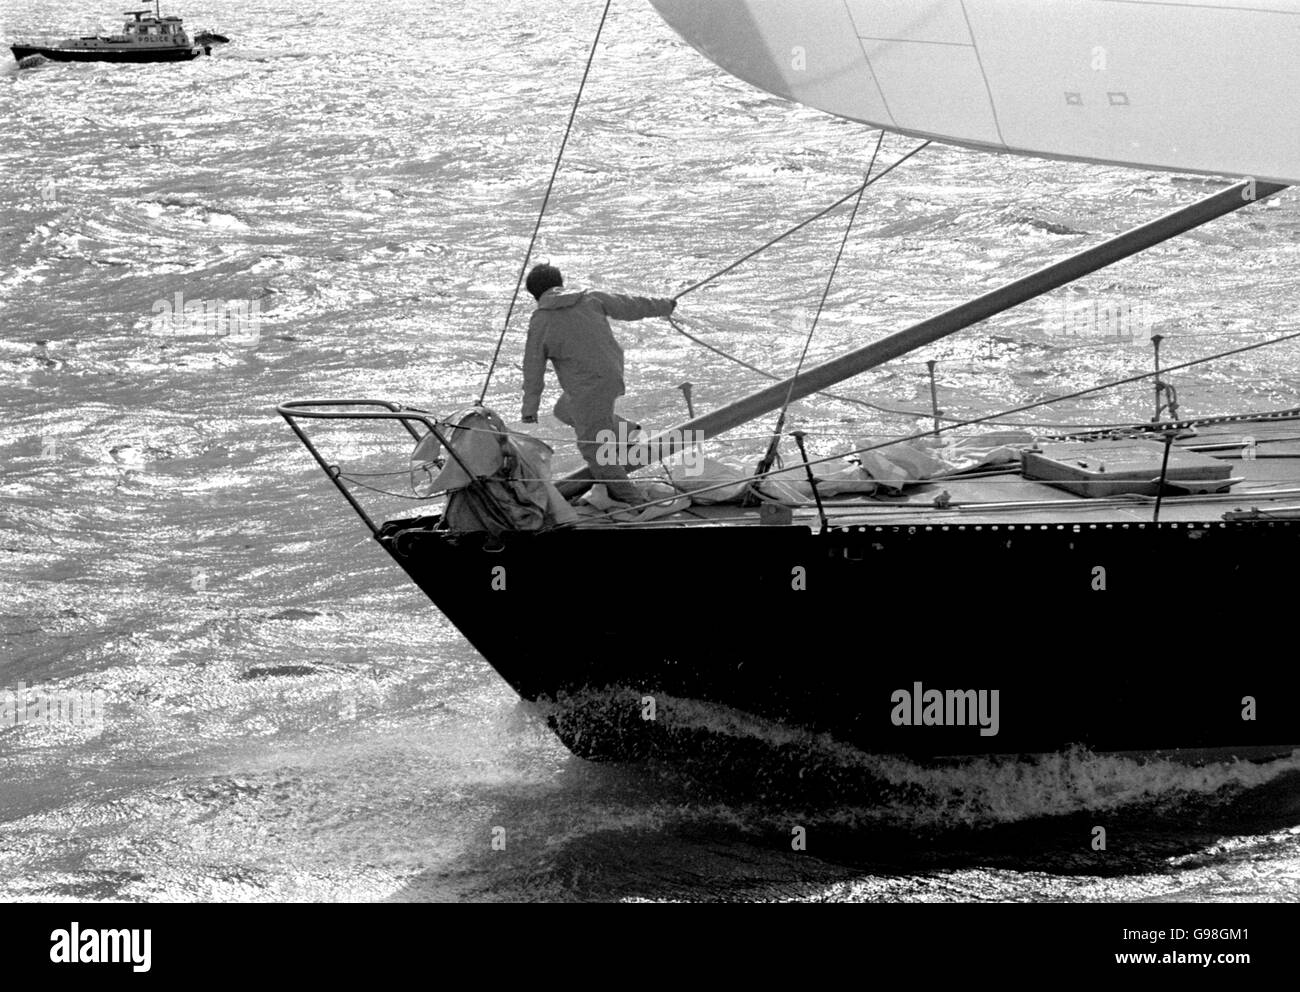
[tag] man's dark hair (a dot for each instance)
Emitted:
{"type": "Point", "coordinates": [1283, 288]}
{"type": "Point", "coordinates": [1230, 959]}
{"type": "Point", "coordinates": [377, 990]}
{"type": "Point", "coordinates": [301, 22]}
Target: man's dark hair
{"type": "Point", "coordinates": [542, 278]}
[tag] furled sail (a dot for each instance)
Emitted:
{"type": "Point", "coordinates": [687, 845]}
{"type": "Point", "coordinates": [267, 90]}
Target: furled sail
{"type": "Point", "coordinates": [1209, 86]}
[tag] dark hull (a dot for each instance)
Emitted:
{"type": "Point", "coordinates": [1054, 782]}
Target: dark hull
{"type": "Point", "coordinates": [1192, 619]}
{"type": "Point", "coordinates": [105, 55]}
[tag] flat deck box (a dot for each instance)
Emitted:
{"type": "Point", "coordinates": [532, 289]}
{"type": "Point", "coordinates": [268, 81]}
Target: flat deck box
{"type": "Point", "coordinates": [1111, 468]}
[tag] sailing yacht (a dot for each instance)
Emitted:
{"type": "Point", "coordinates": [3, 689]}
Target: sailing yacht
{"type": "Point", "coordinates": [1110, 588]}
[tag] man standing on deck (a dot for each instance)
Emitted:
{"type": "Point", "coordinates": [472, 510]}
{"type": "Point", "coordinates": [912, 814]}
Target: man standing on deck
{"type": "Point", "coordinates": [570, 329]}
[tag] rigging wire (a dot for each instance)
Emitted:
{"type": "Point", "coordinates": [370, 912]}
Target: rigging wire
{"type": "Point", "coordinates": [765, 465]}
{"type": "Point", "coordinates": [770, 456]}
{"type": "Point", "coordinates": [803, 223]}
{"type": "Point", "coordinates": [776, 378]}
{"type": "Point", "coordinates": [980, 420]}
{"type": "Point", "coordinates": [990, 475]}
{"type": "Point", "coordinates": [387, 492]}
{"type": "Point", "coordinates": [897, 411]}
{"type": "Point", "coordinates": [546, 199]}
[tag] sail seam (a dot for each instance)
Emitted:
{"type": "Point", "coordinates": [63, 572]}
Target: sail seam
{"type": "Point", "coordinates": [1226, 8]}
{"type": "Point", "coordinates": [993, 109]}
{"type": "Point", "coordinates": [870, 68]}
{"type": "Point", "coordinates": [917, 41]}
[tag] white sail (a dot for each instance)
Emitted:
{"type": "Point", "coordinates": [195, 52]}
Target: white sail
{"type": "Point", "coordinates": [1187, 86]}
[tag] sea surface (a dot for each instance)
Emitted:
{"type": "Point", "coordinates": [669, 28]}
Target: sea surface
{"type": "Point", "coordinates": [351, 189]}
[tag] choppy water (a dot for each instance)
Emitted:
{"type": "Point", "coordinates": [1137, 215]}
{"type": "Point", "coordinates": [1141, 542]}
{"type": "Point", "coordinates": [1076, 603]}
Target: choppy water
{"type": "Point", "coordinates": [287, 716]}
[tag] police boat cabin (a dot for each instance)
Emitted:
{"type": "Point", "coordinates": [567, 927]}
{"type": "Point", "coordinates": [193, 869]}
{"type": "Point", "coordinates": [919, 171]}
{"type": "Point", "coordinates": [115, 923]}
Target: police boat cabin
{"type": "Point", "coordinates": [146, 36]}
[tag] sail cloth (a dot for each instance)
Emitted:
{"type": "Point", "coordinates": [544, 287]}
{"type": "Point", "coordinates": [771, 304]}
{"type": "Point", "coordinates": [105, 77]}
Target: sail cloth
{"type": "Point", "coordinates": [498, 481]}
{"type": "Point", "coordinates": [660, 498]}
{"type": "Point", "coordinates": [725, 481]}
{"type": "Point", "coordinates": [908, 462]}
{"type": "Point", "coordinates": [890, 470]}
{"type": "Point", "coordinates": [1203, 86]}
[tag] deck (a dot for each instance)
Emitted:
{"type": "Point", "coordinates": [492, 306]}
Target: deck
{"type": "Point", "coordinates": [1269, 482]}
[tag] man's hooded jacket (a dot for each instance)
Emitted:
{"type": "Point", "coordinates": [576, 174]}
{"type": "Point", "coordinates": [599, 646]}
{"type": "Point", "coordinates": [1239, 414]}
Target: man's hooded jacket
{"type": "Point", "coordinates": [571, 330]}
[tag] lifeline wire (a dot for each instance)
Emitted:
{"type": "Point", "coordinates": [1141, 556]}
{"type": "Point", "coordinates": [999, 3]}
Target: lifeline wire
{"type": "Point", "coordinates": [840, 397]}
{"type": "Point", "coordinates": [994, 416]}
{"type": "Point", "coordinates": [487, 380]}
{"type": "Point", "coordinates": [772, 375]}
{"type": "Point", "coordinates": [989, 475]}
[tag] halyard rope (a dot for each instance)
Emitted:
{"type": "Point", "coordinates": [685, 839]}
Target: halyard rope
{"type": "Point", "coordinates": [523, 269]}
